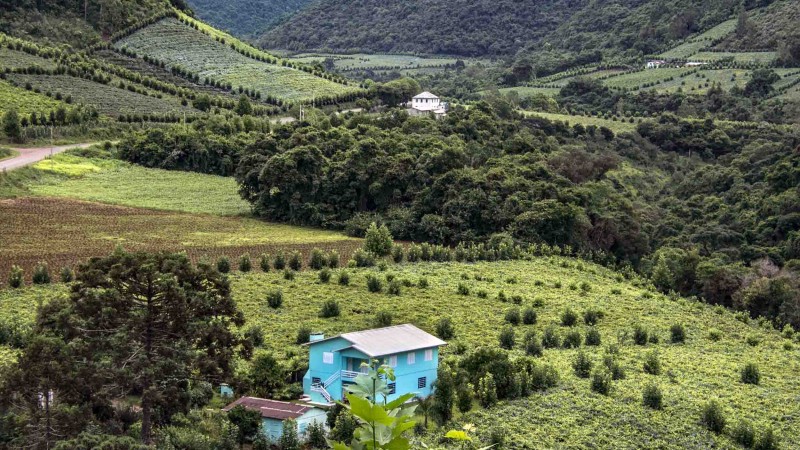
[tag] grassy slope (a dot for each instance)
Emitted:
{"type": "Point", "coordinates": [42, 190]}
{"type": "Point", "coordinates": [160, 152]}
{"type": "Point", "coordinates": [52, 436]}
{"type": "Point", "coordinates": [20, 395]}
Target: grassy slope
{"type": "Point", "coordinates": [25, 102]}
{"type": "Point", "coordinates": [569, 416]}
{"type": "Point", "coordinates": [13, 59]}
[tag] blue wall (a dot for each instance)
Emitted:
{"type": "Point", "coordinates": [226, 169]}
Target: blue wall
{"type": "Point", "coordinates": [273, 428]}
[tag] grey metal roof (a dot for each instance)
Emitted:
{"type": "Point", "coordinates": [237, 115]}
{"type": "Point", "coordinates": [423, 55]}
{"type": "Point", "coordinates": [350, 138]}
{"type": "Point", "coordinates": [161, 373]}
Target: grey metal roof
{"type": "Point", "coordinates": [389, 340]}
{"type": "Point", "coordinates": [426, 94]}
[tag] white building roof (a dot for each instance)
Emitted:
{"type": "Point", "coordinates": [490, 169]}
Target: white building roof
{"type": "Point", "coordinates": [425, 94]}
{"type": "Point", "coordinates": [389, 340]}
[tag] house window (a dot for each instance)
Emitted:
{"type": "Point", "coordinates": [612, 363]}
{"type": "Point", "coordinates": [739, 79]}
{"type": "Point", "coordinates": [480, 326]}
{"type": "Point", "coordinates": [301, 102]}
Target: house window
{"type": "Point", "coordinates": [316, 381]}
{"type": "Point", "coordinates": [327, 358]}
{"type": "Point", "coordinates": [412, 358]}
{"type": "Point", "coordinates": [422, 382]}
{"type": "Point", "coordinates": [429, 355]}
{"type": "Point", "coordinates": [392, 388]}
{"type": "Point", "coordinates": [393, 361]}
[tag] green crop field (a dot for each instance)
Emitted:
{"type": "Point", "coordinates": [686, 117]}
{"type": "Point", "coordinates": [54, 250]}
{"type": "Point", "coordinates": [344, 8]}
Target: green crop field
{"type": "Point", "coordinates": [700, 82]}
{"type": "Point", "coordinates": [13, 59]}
{"type": "Point", "coordinates": [368, 61]}
{"type": "Point", "coordinates": [570, 415]}
{"type": "Point", "coordinates": [617, 126]}
{"type": "Point", "coordinates": [696, 43]}
{"type": "Point", "coordinates": [179, 45]}
{"type": "Point", "coordinates": [109, 99]}
{"type": "Point", "coordinates": [637, 80]}
{"type": "Point", "coordinates": [525, 91]}
{"type": "Point", "coordinates": [25, 102]}
{"type": "Point", "coordinates": [745, 57]}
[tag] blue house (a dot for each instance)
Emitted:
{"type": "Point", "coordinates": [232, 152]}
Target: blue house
{"type": "Point", "coordinates": [334, 363]}
{"type": "Point", "coordinates": [273, 413]}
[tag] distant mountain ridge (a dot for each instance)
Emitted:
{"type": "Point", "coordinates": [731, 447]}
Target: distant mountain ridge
{"type": "Point", "coordinates": [246, 18]}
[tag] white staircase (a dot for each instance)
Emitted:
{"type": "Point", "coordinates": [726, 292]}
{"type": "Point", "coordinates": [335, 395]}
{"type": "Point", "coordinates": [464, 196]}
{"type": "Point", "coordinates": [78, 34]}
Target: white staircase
{"type": "Point", "coordinates": [321, 387]}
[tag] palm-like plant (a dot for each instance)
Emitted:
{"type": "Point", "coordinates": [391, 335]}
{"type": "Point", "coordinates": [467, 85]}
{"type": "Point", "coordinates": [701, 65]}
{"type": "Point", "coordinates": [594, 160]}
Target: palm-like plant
{"type": "Point", "coordinates": [425, 406]}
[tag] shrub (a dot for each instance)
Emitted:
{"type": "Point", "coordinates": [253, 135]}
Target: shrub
{"type": "Point", "coordinates": [568, 318]}
{"type": "Point", "coordinates": [613, 366]}
{"type": "Point", "coordinates": [652, 364]}
{"type": "Point", "coordinates": [550, 338]}
{"type": "Point", "coordinates": [374, 283]}
{"type": "Point", "coordinates": [714, 334]}
{"type": "Point", "coordinates": [713, 417]}
{"type": "Point", "coordinates": [543, 377]}
{"type": "Point", "coordinates": [501, 296]}
{"type": "Point", "coordinates": [462, 289]}
{"type": "Point", "coordinates": [593, 337]}
{"type": "Point", "coordinates": [16, 279]}
{"type": "Point", "coordinates": [395, 288]}
{"type": "Point", "coordinates": [464, 400]}
{"type": "Point", "coordinates": [324, 275]}
{"type": "Point", "coordinates": [363, 258]}
{"type": "Point", "coordinates": [744, 434]}
{"type": "Point", "coordinates": [677, 333]}
{"type": "Point", "coordinates": [288, 274]}
{"type": "Point", "coordinates": [398, 253]}
{"type": "Point", "coordinates": [516, 299]}
{"type": "Point", "coordinates": [487, 391]}
{"type": "Point", "coordinates": [529, 316]}
{"type": "Point", "coordinates": [264, 263]}
{"type": "Point", "coordinates": [582, 365]}
{"type": "Point", "coordinates": [275, 298]}
{"type": "Point", "coordinates": [513, 316]}
{"type": "Point", "coordinates": [445, 329]}
{"type": "Point", "coordinates": [750, 374]}
{"type": "Point", "coordinates": [482, 293]}
{"type": "Point", "coordinates": [255, 335]}
{"type": "Point", "coordinates": [640, 335]}
{"type": "Point", "coordinates": [592, 316]}
{"type": "Point", "coordinates": [573, 339]}
{"type": "Point", "coordinates": [383, 319]}
{"type": "Point", "coordinates": [329, 309]}
{"type": "Point", "coordinates": [223, 265]}
{"type": "Point", "coordinates": [245, 265]}
{"type": "Point", "coordinates": [651, 396]}
{"type": "Point", "coordinates": [344, 278]}
{"type": "Point", "coordinates": [537, 302]}
{"type": "Point", "coordinates": [296, 261]}
{"type": "Point", "coordinates": [414, 253]}
{"type": "Point", "coordinates": [378, 240]}
{"type": "Point", "coordinates": [303, 335]}
{"type": "Point", "coordinates": [316, 435]}
{"type": "Point", "coordinates": [318, 259]}
{"type": "Point", "coordinates": [533, 347]}
{"type": "Point", "coordinates": [423, 283]}
{"type": "Point", "coordinates": [67, 275]}
{"type": "Point", "coordinates": [601, 381]}
{"type": "Point", "coordinates": [333, 259]}
{"type": "Point", "coordinates": [507, 338]}
{"type": "Point", "coordinates": [753, 340]}
{"type": "Point", "coordinates": [653, 338]}
{"type": "Point", "coordinates": [766, 440]}
{"type": "Point", "coordinates": [280, 261]}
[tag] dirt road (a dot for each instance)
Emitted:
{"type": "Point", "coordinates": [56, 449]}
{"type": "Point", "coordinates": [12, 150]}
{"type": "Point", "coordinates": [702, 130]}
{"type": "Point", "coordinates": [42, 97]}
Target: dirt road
{"type": "Point", "coordinates": [29, 156]}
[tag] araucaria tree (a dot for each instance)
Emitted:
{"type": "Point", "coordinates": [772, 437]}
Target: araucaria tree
{"type": "Point", "coordinates": [135, 324]}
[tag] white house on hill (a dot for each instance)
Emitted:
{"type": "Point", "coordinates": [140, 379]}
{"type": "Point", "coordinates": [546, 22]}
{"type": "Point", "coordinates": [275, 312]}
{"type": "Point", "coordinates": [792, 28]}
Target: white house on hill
{"type": "Point", "coordinates": [426, 103]}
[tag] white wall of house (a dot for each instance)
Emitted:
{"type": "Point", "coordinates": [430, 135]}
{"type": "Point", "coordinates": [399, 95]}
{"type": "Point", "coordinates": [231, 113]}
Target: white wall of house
{"type": "Point", "coordinates": [426, 104]}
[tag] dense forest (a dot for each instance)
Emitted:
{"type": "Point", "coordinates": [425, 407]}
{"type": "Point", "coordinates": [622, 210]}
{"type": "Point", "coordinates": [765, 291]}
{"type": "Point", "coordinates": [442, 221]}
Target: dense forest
{"type": "Point", "coordinates": [246, 18]}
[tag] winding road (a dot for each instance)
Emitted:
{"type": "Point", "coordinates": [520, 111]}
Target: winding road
{"type": "Point", "coordinates": [29, 156]}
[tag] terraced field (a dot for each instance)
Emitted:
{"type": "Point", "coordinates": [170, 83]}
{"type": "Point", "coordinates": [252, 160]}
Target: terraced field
{"type": "Point", "coordinates": [370, 61]}
{"type": "Point", "coordinates": [25, 102]}
{"type": "Point", "coordinates": [179, 45]}
{"type": "Point", "coordinates": [525, 91]}
{"type": "Point", "coordinates": [742, 57]}
{"type": "Point", "coordinates": [700, 82]}
{"type": "Point", "coordinates": [109, 100]}
{"type": "Point", "coordinates": [636, 80]}
{"type": "Point", "coordinates": [13, 59]}
{"type": "Point", "coordinates": [694, 44]}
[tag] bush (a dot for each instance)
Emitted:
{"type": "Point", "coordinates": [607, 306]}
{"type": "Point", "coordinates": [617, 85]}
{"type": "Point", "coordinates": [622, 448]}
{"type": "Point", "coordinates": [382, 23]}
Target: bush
{"type": "Point", "coordinates": [766, 441]}
{"type": "Point", "coordinates": [414, 253]}
{"type": "Point", "coordinates": [378, 240]}
{"type": "Point", "coordinates": [507, 338]}
{"type": "Point", "coordinates": [288, 274]}
{"type": "Point", "coordinates": [582, 365]}
{"type": "Point", "coordinates": [316, 435]}
{"type": "Point", "coordinates": [533, 347]}
{"type": "Point", "coordinates": [573, 339]}
{"type": "Point", "coordinates": [333, 259]}
{"type": "Point", "coordinates": [516, 299]}
{"type": "Point", "coordinates": [318, 259]}
{"type": "Point", "coordinates": [329, 309]}
{"type": "Point", "coordinates": [640, 335]}
{"type": "Point", "coordinates": [513, 316]}
{"type": "Point", "coordinates": [255, 335]}
{"type": "Point", "coordinates": [374, 283]}
{"type": "Point", "coordinates": [713, 417]}
{"type": "Point", "coordinates": [324, 275]}
{"type": "Point", "coordinates": [568, 318]}
{"type": "Point", "coordinates": [652, 364]}
{"type": "Point", "coordinates": [487, 391]}
{"type": "Point", "coordinates": [398, 254]}
{"type": "Point", "coordinates": [303, 335]}
{"type": "Point", "coordinates": [593, 337]}
{"type": "Point", "coordinates": [445, 329]}
{"type": "Point", "coordinates": [16, 279]}
{"type": "Point", "coordinates": [550, 338]}
{"type": "Point", "coordinates": [651, 396]}
{"type": "Point", "coordinates": [280, 261]}
{"type": "Point", "coordinates": [383, 319]}
{"type": "Point", "coordinates": [750, 374]}
{"type": "Point", "coordinates": [613, 366]}
{"type": "Point", "coordinates": [344, 278]}
{"type": "Point", "coordinates": [592, 316]}
{"type": "Point", "coordinates": [423, 283]}
{"type": "Point", "coordinates": [245, 265]}
{"type": "Point", "coordinates": [41, 274]}
{"type": "Point", "coordinates": [395, 288]}
{"type": "Point", "coordinates": [296, 261]}
{"type": "Point", "coordinates": [482, 293]}
{"type": "Point", "coordinates": [744, 434]}
{"type": "Point", "coordinates": [601, 381]}
{"type": "Point", "coordinates": [264, 263]}
{"type": "Point", "coordinates": [464, 400]}
{"type": "Point", "coordinates": [223, 265]}
{"type": "Point", "coordinates": [753, 340]}
{"type": "Point", "coordinates": [677, 333]}
{"type": "Point", "coordinates": [67, 275]}
{"type": "Point", "coordinates": [275, 299]}
{"type": "Point", "coordinates": [529, 316]}
{"type": "Point", "coordinates": [363, 258]}
{"type": "Point", "coordinates": [543, 377]}
{"type": "Point", "coordinates": [714, 334]}
{"type": "Point", "coordinates": [462, 289]}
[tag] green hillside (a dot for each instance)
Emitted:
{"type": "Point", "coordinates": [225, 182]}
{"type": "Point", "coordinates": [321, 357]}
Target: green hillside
{"type": "Point", "coordinates": [245, 18]}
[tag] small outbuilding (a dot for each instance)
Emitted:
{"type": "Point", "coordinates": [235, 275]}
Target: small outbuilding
{"type": "Point", "coordinates": [274, 412]}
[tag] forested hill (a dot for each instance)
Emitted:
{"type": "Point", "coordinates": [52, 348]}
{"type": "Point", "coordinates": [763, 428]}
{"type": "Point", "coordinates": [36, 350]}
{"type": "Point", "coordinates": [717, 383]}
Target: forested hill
{"type": "Point", "coordinates": [499, 27]}
{"type": "Point", "coordinates": [245, 17]}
